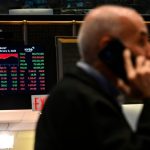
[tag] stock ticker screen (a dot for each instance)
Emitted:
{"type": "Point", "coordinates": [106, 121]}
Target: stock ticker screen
{"type": "Point", "coordinates": [24, 71]}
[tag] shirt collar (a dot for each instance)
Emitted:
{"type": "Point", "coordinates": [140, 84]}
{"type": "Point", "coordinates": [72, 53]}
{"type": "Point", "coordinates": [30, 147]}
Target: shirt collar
{"type": "Point", "coordinates": [106, 84]}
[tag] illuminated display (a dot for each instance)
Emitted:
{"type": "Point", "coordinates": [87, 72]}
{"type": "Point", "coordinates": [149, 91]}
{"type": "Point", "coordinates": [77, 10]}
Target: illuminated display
{"type": "Point", "coordinates": [22, 70]}
{"type": "Point", "coordinates": [79, 3]}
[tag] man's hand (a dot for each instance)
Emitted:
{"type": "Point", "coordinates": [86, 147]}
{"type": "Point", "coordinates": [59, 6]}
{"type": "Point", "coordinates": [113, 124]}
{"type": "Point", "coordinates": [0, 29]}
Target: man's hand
{"type": "Point", "coordinates": [138, 74]}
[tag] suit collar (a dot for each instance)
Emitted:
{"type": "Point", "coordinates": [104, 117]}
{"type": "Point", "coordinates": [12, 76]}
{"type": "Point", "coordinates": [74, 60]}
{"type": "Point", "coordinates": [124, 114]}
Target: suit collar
{"type": "Point", "coordinates": [98, 84]}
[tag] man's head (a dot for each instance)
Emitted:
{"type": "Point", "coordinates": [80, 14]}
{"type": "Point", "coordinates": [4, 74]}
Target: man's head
{"type": "Point", "coordinates": [107, 22]}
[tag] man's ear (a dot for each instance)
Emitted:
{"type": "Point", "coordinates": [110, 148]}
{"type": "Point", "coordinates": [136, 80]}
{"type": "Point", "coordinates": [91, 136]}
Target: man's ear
{"type": "Point", "coordinates": [104, 41]}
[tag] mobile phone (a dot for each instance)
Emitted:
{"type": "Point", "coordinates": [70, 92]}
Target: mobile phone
{"type": "Point", "coordinates": [112, 56]}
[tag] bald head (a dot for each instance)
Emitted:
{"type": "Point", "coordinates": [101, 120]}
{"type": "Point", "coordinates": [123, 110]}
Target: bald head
{"type": "Point", "coordinates": [105, 21]}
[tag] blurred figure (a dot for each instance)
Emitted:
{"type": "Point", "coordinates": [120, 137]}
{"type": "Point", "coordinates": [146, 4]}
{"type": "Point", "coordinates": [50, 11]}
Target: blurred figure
{"type": "Point", "coordinates": [84, 110]}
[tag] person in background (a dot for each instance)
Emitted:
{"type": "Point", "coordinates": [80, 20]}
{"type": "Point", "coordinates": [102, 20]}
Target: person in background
{"type": "Point", "coordinates": [84, 109]}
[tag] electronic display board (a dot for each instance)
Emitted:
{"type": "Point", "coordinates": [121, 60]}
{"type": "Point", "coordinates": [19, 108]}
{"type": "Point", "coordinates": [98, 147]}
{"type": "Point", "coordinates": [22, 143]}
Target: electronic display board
{"type": "Point", "coordinates": [24, 71]}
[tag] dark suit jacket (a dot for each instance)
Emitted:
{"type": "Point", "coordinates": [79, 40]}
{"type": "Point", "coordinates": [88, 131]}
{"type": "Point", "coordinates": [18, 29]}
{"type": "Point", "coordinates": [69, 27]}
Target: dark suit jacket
{"type": "Point", "coordinates": [80, 115]}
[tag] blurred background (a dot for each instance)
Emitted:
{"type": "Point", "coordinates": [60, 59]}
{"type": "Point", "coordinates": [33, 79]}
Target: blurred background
{"type": "Point", "coordinates": [143, 6]}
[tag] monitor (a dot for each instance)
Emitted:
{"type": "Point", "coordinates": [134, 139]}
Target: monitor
{"type": "Point", "coordinates": [67, 53]}
{"type": "Point", "coordinates": [80, 4]}
{"type": "Point", "coordinates": [25, 71]}
{"type": "Point", "coordinates": [35, 3]}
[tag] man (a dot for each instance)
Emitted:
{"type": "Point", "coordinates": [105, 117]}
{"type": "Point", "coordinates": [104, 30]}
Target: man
{"type": "Point", "coordinates": [84, 110]}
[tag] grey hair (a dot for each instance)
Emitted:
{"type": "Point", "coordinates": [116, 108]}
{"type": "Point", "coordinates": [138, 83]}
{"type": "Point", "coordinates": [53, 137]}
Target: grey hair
{"type": "Point", "coordinates": [101, 21]}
